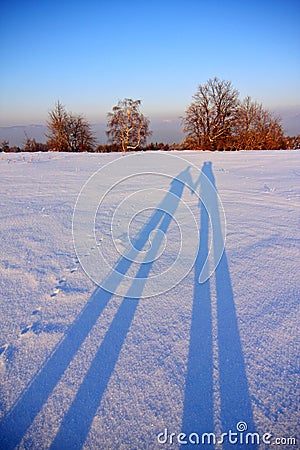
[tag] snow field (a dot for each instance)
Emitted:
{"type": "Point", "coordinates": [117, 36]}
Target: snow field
{"type": "Point", "coordinates": [141, 348]}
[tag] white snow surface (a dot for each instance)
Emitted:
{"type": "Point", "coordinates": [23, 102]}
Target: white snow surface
{"type": "Point", "coordinates": [81, 368]}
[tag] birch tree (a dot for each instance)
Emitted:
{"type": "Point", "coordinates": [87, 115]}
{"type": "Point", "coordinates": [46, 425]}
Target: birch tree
{"type": "Point", "coordinates": [127, 127]}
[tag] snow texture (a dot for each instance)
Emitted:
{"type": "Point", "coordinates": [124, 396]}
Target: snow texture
{"type": "Point", "coordinates": [83, 368]}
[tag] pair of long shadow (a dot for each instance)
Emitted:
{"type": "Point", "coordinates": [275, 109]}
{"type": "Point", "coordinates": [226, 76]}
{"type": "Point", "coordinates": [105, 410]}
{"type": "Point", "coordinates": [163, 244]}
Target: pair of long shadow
{"type": "Point", "coordinates": [198, 405]}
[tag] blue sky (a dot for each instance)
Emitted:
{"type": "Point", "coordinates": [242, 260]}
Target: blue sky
{"type": "Point", "coordinates": [89, 54]}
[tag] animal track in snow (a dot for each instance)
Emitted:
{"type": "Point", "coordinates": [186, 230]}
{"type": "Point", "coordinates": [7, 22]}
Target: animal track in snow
{"type": "Point", "coordinates": [268, 189]}
{"type": "Point", "coordinates": [55, 292]}
{"type": "Point", "coordinates": [25, 330]}
{"type": "Point", "coordinates": [62, 282]}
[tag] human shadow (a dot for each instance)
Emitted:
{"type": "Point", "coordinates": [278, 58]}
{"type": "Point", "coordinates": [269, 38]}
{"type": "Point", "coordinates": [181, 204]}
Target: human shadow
{"type": "Point", "coordinates": [76, 423]}
{"type": "Point", "coordinates": [198, 402]}
{"type": "Point", "coordinates": [235, 404]}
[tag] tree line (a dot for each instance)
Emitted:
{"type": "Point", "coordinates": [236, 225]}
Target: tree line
{"type": "Point", "coordinates": [217, 120]}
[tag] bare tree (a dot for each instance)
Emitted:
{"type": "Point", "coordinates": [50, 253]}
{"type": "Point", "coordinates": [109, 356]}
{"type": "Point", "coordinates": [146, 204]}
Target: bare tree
{"type": "Point", "coordinates": [244, 124]}
{"type": "Point", "coordinates": [256, 128]}
{"type": "Point", "coordinates": [58, 129]}
{"type": "Point", "coordinates": [31, 145]}
{"type": "Point", "coordinates": [4, 146]}
{"type": "Point", "coordinates": [127, 126]}
{"type": "Point", "coordinates": [80, 137]}
{"type": "Point", "coordinates": [68, 132]}
{"type": "Point", "coordinates": [208, 119]}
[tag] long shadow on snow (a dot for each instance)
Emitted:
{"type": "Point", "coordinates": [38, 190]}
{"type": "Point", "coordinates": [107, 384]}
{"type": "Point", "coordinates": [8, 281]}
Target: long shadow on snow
{"type": "Point", "coordinates": [234, 390]}
{"type": "Point", "coordinates": [198, 402]}
{"type": "Point", "coordinates": [77, 422]}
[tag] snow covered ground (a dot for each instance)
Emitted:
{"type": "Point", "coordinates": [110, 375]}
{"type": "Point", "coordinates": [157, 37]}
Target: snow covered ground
{"type": "Point", "coordinates": [81, 367]}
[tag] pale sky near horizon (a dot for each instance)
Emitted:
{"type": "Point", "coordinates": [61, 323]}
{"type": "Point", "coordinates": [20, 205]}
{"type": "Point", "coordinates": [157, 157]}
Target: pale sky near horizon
{"type": "Point", "coordinates": [88, 54]}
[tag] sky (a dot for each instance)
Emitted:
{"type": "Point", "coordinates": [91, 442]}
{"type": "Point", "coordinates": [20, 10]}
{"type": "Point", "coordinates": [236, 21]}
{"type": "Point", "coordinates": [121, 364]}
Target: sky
{"type": "Point", "coordinates": [89, 54]}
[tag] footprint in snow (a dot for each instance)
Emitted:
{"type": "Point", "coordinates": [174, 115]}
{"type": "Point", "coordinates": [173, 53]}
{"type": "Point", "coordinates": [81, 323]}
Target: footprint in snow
{"type": "Point", "coordinates": [268, 189]}
{"type": "Point", "coordinates": [62, 282]}
{"type": "Point", "coordinates": [35, 328]}
{"type": "Point", "coordinates": [25, 330]}
{"type": "Point", "coordinates": [55, 292]}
